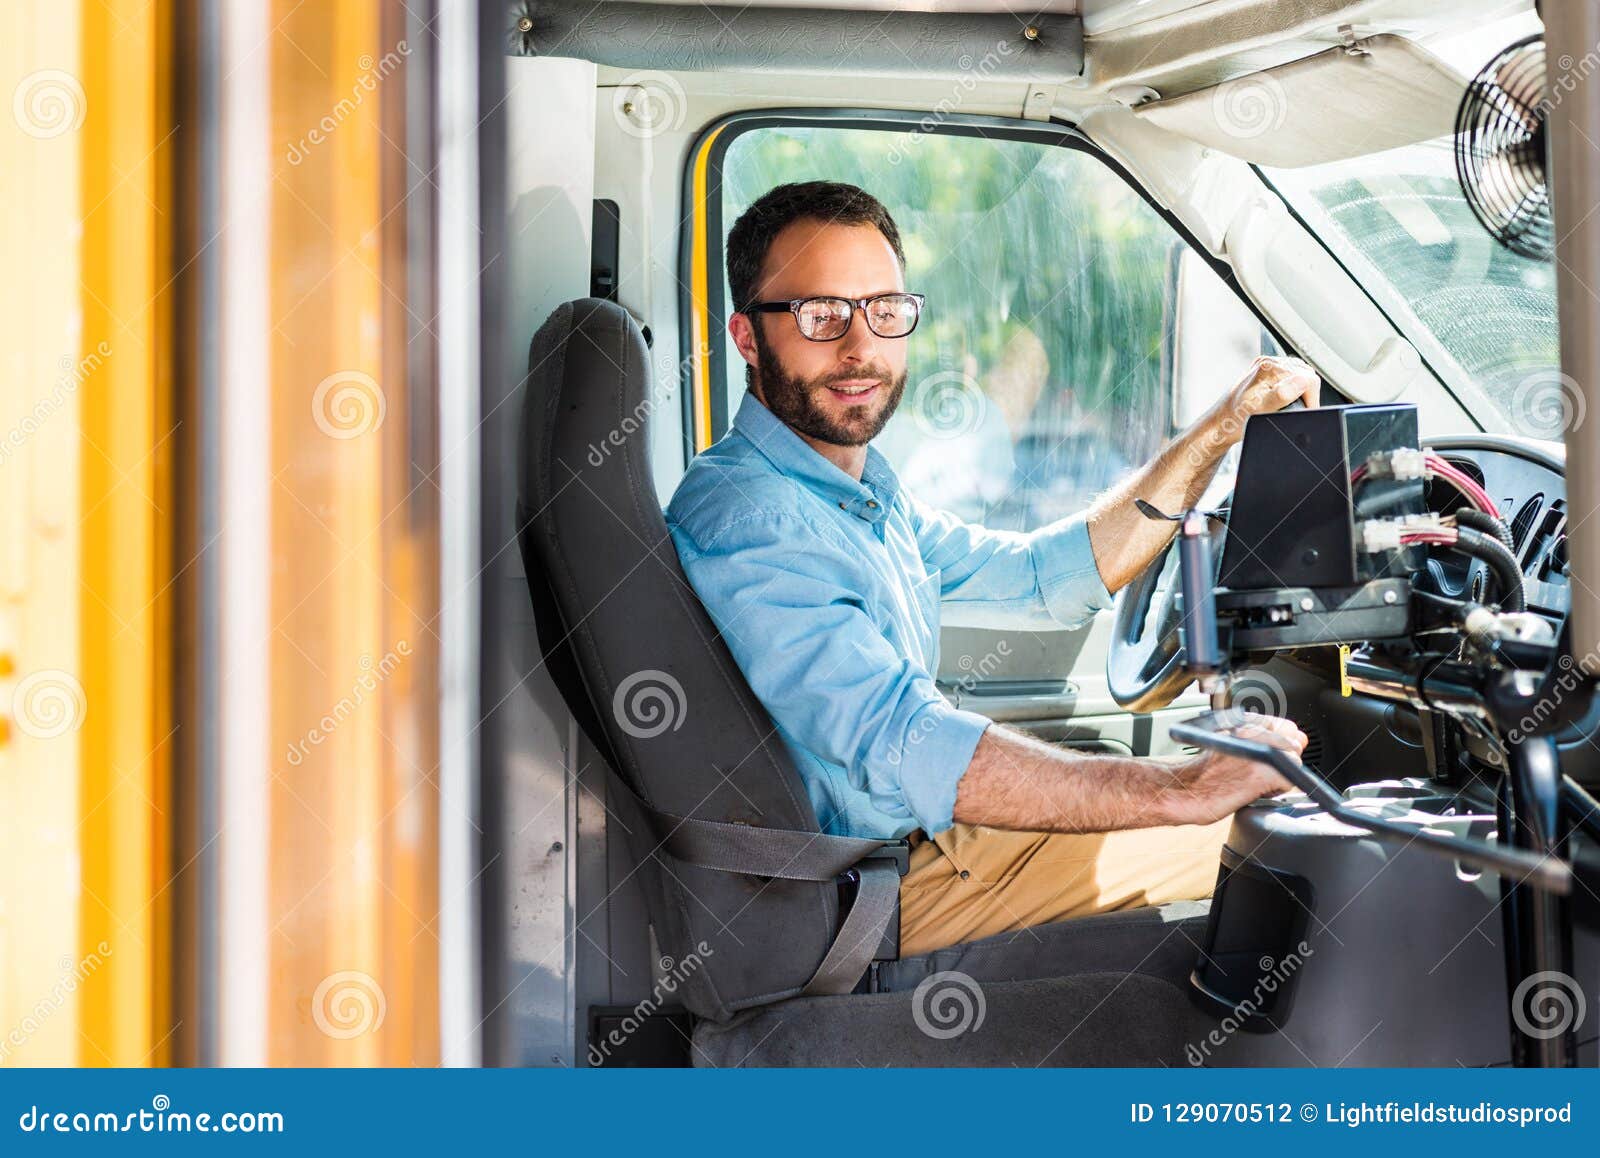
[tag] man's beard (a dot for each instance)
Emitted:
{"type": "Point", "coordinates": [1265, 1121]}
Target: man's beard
{"type": "Point", "coordinates": [794, 400]}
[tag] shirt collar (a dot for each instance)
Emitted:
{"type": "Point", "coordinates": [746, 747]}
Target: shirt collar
{"type": "Point", "coordinates": [869, 499]}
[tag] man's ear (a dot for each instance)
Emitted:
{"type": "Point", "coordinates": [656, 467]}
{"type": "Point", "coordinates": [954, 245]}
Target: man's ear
{"type": "Point", "coordinates": [742, 330]}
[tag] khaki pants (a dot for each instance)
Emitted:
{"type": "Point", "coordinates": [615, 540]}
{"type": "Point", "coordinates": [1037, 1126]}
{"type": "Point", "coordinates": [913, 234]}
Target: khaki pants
{"type": "Point", "coordinates": [970, 882]}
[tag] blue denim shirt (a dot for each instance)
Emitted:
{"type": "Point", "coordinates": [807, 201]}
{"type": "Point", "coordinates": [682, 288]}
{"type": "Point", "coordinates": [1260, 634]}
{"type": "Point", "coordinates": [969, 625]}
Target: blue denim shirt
{"type": "Point", "coordinates": [828, 593]}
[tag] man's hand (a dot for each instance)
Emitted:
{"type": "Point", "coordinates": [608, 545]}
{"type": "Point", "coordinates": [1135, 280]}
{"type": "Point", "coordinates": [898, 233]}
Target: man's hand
{"type": "Point", "coordinates": [1124, 541]}
{"type": "Point", "coordinates": [1270, 384]}
{"type": "Point", "coordinates": [1214, 785]}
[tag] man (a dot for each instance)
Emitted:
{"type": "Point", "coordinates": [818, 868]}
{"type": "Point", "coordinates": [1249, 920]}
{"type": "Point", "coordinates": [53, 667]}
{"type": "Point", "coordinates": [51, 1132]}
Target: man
{"type": "Point", "coordinates": [826, 580]}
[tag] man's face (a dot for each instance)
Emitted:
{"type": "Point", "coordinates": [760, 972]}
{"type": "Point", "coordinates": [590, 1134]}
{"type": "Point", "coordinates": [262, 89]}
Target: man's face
{"type": "Point", "coordinates": [840, 392]}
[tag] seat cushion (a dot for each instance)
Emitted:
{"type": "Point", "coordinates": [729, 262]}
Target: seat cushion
{"type": "Point", "coordinates": [1161, 941]}
{"type": "Point", "coordinates": [1092, 1019]}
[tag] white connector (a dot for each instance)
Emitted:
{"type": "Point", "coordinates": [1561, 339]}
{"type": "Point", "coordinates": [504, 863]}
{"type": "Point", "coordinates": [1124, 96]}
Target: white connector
{"type": "Point", "coordinates": [1403, 464]}
{"type": "Point", "coordinates": [1384, 534]}
{"type": "Point", "coordinates": [1408, 464]}
{"type": "Point", "coordinates": [1380, 535]}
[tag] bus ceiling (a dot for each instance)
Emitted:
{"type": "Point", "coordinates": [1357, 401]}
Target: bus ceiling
{"type": "Point", "coordinates": [1127, 50]}
{"type": "Point", "coordinates": [1046, 46]}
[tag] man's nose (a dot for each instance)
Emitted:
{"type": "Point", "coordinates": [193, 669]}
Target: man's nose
{"type": "Point", "coordinates": [859, 343]}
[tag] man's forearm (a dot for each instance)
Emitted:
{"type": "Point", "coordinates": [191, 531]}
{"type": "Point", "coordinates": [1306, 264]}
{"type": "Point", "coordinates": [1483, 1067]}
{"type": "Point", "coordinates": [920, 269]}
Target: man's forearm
{"type": "Point", "coordinates": [1020, 783]}
{"type": "Point", "coordinates": [1014, 781]}
{"type": "Point", "coordinates": [1124, 541]}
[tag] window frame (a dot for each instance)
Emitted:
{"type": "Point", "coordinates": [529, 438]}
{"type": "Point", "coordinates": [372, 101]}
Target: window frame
{"type": "Point", "coordinates": [703, 313]}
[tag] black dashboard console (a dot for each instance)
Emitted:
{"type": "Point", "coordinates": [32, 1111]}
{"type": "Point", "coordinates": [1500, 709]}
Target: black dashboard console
{"type": "Point", "coordinates": [1298, 564]}
{"type": "Point", "coordinates": [1450, 570]}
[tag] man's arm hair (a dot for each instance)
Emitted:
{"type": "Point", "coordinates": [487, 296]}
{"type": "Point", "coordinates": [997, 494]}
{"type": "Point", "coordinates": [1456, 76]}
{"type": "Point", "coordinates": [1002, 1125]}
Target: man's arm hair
{"type": "Point", "coordinates": [1017, 782]}
{"type": "Point", "coordinates": [1124, 541]}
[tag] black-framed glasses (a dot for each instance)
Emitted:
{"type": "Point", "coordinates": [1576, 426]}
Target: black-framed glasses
{"type": "Point", "coordinates": [827, 319]}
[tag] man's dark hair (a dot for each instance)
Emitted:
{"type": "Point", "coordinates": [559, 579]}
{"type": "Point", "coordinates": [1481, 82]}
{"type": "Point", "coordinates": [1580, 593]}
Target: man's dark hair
{"type": "Point", "coordinates": [832, 202]}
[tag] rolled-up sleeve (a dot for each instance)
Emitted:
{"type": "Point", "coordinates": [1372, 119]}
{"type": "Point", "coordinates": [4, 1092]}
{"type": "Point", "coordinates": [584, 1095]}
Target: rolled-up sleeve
{"type": "Point", "coordinates": [1041, 579]}
{"type": "Point", "coordinates": [786, 596]}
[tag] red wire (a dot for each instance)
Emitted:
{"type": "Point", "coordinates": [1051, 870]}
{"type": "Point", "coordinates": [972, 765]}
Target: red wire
{"type": "Point", "coordinates": [1462, 482]}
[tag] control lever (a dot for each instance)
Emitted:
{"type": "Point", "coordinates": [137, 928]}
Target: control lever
{"type": "Point", "coordinates": [1214, 730]}
{"type": "Point", "coordinates": [1203, 655]}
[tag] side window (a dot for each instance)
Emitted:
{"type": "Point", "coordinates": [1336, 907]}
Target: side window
{"type": "Point", "coordinates": [1049, 360]}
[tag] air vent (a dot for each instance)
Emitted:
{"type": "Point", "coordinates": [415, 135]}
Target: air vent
{"type": "Point", "coordinates": [1521, 525]}
{"type": "Point", "coordinates": [1546, 558]}
{"type": "Point", "coordinates": [1313, 753]}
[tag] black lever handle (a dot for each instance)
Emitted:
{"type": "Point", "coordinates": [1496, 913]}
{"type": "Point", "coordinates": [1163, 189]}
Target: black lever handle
{"type": "Point", "coordinates": [1214, 730]}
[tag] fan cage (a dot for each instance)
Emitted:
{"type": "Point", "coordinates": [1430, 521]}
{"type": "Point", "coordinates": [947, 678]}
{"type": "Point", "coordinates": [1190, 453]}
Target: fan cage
{"type": "Point", "coordinates": [1500, 149]}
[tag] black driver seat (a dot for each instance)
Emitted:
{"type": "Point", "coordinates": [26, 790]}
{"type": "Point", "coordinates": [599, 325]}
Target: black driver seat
{"type": "Point", "coordinates": [644, 672]}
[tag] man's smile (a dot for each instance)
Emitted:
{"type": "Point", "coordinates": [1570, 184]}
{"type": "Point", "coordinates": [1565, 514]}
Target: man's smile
{"type": "Point", "coordinates": [855, 390]}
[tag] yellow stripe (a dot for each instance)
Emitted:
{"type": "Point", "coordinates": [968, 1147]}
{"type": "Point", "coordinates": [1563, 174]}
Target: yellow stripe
{"type": "Point", "coordinates": [700, 303]}
{"type": "Point", "coordinates": [123, 621]}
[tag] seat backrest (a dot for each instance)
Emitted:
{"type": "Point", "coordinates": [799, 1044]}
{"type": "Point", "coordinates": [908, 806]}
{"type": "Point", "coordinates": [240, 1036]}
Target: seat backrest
{"type": "Point", "coordinates": [642, 667]}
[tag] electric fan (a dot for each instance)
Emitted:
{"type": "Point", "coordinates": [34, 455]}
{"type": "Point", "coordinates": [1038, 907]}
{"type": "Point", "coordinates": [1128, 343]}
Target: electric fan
{"type": "Point", "coordinates": [1500, 149]}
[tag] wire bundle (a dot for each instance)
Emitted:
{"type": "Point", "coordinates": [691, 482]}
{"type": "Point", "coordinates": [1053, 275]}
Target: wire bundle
{"type": "Point", "coordinates": [1477, 531]}
{"type": "Point", "coordinates": [1436, 466]}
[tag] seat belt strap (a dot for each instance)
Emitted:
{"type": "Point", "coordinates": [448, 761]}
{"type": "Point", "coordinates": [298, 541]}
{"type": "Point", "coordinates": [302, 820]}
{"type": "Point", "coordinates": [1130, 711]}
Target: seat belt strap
{"type": "Point", "coordinates": [763, 852]}
{"type": "Point", "coordinates": [789, 854]}
{"type": "Point", "coordinates": [853, 950]}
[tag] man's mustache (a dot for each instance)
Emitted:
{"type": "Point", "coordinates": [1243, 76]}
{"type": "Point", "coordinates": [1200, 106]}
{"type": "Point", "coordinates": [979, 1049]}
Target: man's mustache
{"type": "Point", "coordinates": [882, 377]}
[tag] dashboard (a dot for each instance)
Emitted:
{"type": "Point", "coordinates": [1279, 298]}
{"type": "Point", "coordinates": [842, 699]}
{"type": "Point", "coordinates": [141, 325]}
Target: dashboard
{"type": "Point", "coordinates": [1527, 482]}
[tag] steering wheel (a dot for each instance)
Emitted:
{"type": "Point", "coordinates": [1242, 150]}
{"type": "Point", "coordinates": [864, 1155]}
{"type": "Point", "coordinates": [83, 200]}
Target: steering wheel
{"type": "Point", "coordinates": [1145, 667]}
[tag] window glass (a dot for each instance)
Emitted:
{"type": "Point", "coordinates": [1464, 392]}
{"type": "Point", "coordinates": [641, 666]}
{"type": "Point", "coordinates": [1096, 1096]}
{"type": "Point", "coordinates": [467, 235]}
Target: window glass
{"type": "Point", "coordinates": [1041, 372]}
{"type": "Point", "coordinates": [1484, 316]}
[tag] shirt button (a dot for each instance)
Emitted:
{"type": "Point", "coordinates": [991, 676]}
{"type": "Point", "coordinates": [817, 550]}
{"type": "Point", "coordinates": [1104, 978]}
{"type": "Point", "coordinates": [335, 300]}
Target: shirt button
{"type": "Point", "coordinates": [965, 874]}
{"type": "Point", "coordinates": [842, 507]}
{"type": "Point", "coordinates": [873, 503]}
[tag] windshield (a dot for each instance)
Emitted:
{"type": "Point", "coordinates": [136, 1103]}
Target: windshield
{"type": "Point", "coordinates": [1484, 317]}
